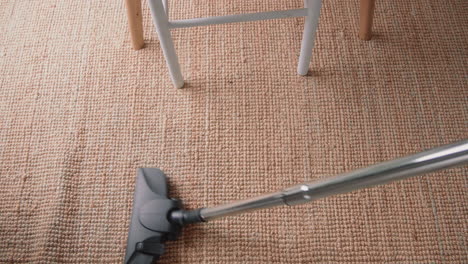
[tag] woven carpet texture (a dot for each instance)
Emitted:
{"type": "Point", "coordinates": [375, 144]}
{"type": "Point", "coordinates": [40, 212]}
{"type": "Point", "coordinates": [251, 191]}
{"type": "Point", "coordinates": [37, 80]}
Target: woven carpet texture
{"type": "Point", "coordinates": [80, 111]}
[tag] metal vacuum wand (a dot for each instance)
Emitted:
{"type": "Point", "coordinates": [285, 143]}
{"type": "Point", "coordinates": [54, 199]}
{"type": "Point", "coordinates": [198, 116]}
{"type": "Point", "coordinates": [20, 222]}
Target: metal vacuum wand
{"type": "Point", "coordinates": [156, 218]}
{"type": "Point", "coordinates": [424, 162]}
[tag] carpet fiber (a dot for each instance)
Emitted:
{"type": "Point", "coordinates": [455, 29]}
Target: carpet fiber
{"type": "Point", "coordinates": [80, 111]}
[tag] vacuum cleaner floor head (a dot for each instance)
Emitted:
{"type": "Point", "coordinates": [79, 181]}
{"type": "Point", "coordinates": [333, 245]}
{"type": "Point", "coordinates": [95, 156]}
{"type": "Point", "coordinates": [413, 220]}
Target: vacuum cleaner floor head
{"type": "Point", "coordinates": [150, 227]}
{"type": "Point", "coordinates": [157, 218]}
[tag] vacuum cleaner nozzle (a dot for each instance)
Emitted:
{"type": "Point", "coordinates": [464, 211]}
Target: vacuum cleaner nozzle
{"type": "Point", "coordinates": [155, 218]}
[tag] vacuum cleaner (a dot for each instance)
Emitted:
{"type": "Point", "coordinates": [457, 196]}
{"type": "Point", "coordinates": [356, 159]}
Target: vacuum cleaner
{"type": "Point", "coordinates": [156, 218]}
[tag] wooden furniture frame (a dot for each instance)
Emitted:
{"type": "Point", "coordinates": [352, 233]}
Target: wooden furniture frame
{"type": "Point", "coordinates": [366, 18]}
{"type": "Point", "coordinates": [159, 11]}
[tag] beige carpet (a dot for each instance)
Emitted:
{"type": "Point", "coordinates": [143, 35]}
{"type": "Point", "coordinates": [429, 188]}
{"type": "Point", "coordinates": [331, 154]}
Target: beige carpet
{"type": "Point", "coordinates": [80, 111]}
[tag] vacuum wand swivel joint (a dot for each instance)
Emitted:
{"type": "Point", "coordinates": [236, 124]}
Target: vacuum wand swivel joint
{"type": "Point", "coordinates": [424, 162]}
{"type": "Point", "coordinates": [183, 217]}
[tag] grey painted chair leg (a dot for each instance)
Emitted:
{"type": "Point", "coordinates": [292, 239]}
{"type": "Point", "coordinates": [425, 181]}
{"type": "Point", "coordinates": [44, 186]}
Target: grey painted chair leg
{"type": "Point", "coordinates": [161, 23]}
{"type": "Point", "coordinates": [308, 37]}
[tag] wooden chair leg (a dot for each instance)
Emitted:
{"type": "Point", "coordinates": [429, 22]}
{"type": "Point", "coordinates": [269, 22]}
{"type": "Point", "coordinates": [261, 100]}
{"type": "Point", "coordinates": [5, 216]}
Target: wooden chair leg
{"type": "Point", "coordinates": [161, 23]}
{"type": "Point", "coordinates": [135, 23]}
{"type": "Point", "coordinates": [366, 18]}
{"type": "Point", "coordinates": [308, 38]}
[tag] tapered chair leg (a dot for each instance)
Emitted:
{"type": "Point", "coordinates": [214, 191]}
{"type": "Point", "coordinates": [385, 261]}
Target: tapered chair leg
{"type": "Point", "coordinates": [366, 18]}
{"type": "Point", "coordinates": [135, 23]}
{"type": "Point", "coordinates": [308, 37]}
{"type": "Point", "coordinates": [161, 23]}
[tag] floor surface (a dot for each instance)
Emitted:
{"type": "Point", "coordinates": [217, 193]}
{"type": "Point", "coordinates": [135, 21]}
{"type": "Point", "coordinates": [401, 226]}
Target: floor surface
{"type": "Point", "coordinates": [80, 111]}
